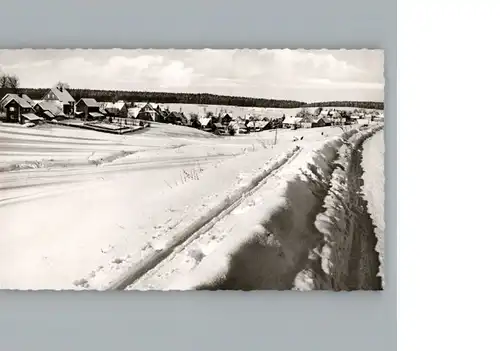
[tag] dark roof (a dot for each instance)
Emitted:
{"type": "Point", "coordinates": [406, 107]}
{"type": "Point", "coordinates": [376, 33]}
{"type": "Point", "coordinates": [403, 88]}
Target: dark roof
{"type": "Point", "coordinates": [218, 125]}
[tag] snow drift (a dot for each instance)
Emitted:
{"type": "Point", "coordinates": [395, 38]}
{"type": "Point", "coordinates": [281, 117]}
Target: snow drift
{"type": "Point", "coordinates": [345, 258]}
{"type": "Point", "coordinates": [373, 189]}
{"type": "Point", "coordinates": [291, 248]}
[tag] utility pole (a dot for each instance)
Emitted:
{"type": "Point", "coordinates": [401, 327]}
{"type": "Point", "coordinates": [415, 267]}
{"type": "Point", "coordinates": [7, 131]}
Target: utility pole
{"type": "Point", "coordinates": [275, 134]}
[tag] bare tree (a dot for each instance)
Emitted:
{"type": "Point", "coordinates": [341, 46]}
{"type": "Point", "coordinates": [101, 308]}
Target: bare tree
{"type": "Point", "coordinates": [303, 113]}
{"type": "Point", "coordinates": [62, 85]}
{"type": "Point", "coordinates": [9, 81]}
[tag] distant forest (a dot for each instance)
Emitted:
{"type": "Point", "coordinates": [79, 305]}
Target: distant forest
{"type": "Point", "coordinates": [188, 98]}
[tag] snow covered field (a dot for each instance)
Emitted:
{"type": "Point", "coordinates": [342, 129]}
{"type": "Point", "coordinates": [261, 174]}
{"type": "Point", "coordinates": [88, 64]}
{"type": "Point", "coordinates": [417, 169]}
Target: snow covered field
{"type": "Point", "coordinates": [374, 181]}
{"type": "Point", "coordinates": [81, 207]}
{"type": "Point", "coordinates": [265, 241]}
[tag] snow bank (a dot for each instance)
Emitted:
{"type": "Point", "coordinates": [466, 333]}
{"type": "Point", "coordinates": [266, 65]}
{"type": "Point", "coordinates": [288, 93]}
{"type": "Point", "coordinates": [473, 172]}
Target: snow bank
{"type": "Point", "coordinates": [373, 188]}
{"type": "Point", "coordinates": [284, 250]}
{"type": "Point", "coordinates": [344, 258]}
{"type": "Point", "coordinates": [269, 254]}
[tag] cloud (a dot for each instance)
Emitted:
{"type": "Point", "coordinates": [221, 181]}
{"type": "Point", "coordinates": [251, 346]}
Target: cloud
{"type": "Point", "coordinates": [290, 74]}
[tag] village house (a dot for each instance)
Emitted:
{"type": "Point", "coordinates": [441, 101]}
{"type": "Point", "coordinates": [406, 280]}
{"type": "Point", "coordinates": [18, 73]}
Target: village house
{"type": "Point", "coordinates": [50, 110]}
{"type": "Point", "coordinates": [353, 118]}
{"type": "Point", "coordinates": [324, 113]}
{"type": "Point", "coordinates": [317, 121]}
{"type": "Point", "coordinates": [206, 123]}
{"type": "Point", "coordinates": [219, 128]}
{"type": "Point", "coordinates": [193, 121]}
{"type": "Point", "coordinates": [148, 113]}
{"type": "Point", "coordinates": [239, 127]}
{"type": "Point", "coordinates": [133, 112]}
{"type": "Point", "coordinates": [276, 122]}
{"type": "Point", "coordinates": [291, 122]}
{"type": "Point", "coordinates": [336, 118]}
{"type": "Point", "coordinates": [328, 120]}
{"type": "Point", "coordinates": [162, 110]}
{"type": "Point", "coordinates": [64, 97]}
{"type": "Point", "coordinates": [257, 126]}
{"type": "Point", "coordinates": [176, 118]}
{"type": "Point", "coordinates": [225, 118]}
{"type": "Point", "coordinates": [88, 109]}
{"type": "Point", "coordinates": [18, 110]}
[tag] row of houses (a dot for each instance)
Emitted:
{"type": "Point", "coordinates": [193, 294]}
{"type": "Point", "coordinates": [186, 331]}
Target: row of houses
{"type": "Point", "coordinates": [58, 104]}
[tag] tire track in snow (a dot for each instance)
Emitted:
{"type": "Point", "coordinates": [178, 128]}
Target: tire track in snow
{"type": "Point", "coordinates": [202, 225]}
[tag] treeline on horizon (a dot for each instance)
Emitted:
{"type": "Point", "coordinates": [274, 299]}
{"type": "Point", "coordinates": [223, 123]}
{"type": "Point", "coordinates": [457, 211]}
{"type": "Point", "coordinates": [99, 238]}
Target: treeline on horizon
{"type": "Point", "coordinates": [190, 98]}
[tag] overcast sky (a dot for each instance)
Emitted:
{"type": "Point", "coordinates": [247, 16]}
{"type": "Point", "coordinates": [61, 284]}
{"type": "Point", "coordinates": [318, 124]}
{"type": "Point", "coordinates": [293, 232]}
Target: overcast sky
{"type": "Point", "coordinates": [305, 75]}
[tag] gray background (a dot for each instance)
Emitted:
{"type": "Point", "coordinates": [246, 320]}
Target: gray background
{"type": "Point", "coordinates": [208, 320]}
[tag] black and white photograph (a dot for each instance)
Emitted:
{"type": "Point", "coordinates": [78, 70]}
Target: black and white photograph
{"type": "Point", "coordinates": [207, 169]}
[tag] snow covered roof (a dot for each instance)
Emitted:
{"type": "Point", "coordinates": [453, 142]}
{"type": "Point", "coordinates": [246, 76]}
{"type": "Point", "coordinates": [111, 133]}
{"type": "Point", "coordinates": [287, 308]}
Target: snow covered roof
{"type": "Point", "coordinates": [54, 107]}
{"type": "Point", "coordinates": [257, 124]}
{"type": "Point", "coordinates": [114, 105]}
{"type": "Point", "coordinates": [28, 99]}
{"type": "Point", "coordinates": [224, 114]}
{"type": "Point", "coordinates": [205, 121]}
{"type": "Point", "coordinates": [291, 120]}
{"type": "Point", "coordinates": [32, 117]}
{"type": "Point", "coordinates": [119, 105]}
{"type": "Point", "coordinates": [48, 114]}
{"type": "Point", "coordinates": [237, 124]}
{"type": "Point", "coordinates": [62, 95]}
{"type": "Point", "coordinates": [133, 112]}
{"type": "Point", "coordinates": [316, 119]}
{"type": "Point", "coordinates": [89, 102]}
{"type": "Point", "coordinates": [96, 114]}
{"type": "Point", "coordinates": [19, 100]}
